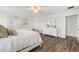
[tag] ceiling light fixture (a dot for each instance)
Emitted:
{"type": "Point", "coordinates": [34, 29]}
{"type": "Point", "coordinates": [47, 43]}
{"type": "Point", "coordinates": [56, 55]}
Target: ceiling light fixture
{"type": "Point", "coordinates": [35, 9]}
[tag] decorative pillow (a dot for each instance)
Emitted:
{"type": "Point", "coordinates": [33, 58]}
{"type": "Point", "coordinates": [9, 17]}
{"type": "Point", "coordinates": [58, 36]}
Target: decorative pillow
{"type": "Point", "coordinates": [12, 32]}
{"type": "Point", "coordinates": [3, 32]}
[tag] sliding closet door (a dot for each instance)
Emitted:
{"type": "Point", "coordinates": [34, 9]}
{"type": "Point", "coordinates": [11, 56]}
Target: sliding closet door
{"type": "Point", "coordinates": [71, 25]}
{"type": "Point", "coordinates": [78, 27]}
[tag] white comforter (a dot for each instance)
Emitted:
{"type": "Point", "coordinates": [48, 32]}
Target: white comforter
{"type": "Point", "coordinates": [6, 44]}
{"type": "Point", "coordinates": [22, 40]}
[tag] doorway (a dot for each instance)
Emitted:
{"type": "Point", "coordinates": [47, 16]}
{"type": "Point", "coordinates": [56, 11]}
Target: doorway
{"type": "Point", "coordinates": [71, 26]}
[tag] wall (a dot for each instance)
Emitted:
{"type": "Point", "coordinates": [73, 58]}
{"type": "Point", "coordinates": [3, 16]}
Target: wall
{"type": "Point", "coordinates": [40, 20]}
{"type": "Point", "coordinates": [71, 25]}
{"type": "Point", "coordinates": [60, 24]}
{"type": "Point", "coordinates": [10, 20]}
{"type": "Point", "coordinates": [61, 21]}
{"type": "Point", "coordinates": [3, 19]}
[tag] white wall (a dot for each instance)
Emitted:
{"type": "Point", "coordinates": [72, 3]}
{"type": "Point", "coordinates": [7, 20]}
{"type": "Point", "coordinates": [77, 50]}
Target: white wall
{"type": "Point", "coordinates": [11, 20]}
{"type": "Point", "coordinates": [61, 21]}
{"type": "Point", "coordinates": [71, 25]}
{"type": "Point", "coordinates": [3, 19]}
{"type": "Point", "coordinates": [40, 20]}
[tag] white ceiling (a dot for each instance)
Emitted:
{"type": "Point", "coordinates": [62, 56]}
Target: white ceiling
{"type": "Point", "coordinates": [24, 10]}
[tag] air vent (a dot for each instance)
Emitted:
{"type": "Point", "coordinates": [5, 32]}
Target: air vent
{"type": "Point", "coordinates": [70, 7]}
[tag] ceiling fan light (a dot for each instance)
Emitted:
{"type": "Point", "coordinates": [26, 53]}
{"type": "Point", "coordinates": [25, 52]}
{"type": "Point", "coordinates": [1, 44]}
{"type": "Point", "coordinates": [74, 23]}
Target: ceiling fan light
{"type": "Point", "coordinates": [35, 9]}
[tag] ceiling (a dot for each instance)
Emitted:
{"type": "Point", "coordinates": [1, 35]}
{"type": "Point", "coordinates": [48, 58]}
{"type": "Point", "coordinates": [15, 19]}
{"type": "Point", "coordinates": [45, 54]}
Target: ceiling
{"type": "Point", "coordinates": [24, 10]}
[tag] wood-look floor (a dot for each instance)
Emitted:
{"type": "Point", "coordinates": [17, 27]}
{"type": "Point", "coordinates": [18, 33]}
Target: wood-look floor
{"type": "Point", "coordinates": [52, 44]}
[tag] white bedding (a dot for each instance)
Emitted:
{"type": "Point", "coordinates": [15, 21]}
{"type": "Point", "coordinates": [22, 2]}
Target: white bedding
{"type": "Point", "coordinates": [6, 44]}
{"type": "Point", "coordinates": [24, 39]}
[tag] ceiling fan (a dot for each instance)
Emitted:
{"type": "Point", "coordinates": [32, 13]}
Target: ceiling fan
{"type": "Point", "coordinates": [35, 9]}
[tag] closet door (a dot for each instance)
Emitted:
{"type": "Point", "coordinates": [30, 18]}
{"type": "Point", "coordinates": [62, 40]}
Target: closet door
{"type": "Point", "coordinates": [78, 27]}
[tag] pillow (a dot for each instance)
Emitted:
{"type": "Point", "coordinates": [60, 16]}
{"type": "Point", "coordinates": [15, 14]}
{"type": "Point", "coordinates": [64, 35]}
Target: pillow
{"type": "Point", "coordinates": [12, 32]}
{"type": "Point", "coordinates": [3, 32]}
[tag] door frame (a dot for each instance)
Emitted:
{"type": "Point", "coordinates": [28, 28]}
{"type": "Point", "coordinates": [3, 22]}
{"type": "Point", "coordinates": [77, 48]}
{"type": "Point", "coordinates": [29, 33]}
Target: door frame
{"type": "Point", "coordinates": [66, 24]}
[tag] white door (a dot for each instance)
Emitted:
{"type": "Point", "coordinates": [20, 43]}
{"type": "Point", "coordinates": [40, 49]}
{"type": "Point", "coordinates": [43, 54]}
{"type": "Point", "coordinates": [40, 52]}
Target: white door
{"type": "Point", "coordinates": [71, 25]}
{"type": "Point", "coordinates": [78, 26]}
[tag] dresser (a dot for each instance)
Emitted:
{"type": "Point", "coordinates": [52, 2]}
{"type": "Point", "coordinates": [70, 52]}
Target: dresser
{"type": "Point", "coordinates": [52, 31]}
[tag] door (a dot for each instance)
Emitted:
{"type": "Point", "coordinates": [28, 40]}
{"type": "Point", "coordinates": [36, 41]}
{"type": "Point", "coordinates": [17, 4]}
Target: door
{"type": "Point", "coordinates": [78, 27]}
{"type": "Point", "coordinates": [71, 26]}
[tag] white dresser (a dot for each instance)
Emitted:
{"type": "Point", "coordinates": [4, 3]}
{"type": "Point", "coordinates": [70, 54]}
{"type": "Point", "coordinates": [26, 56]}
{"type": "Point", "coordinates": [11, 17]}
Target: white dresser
{"type": "Point", "coordinates": [50, 31]}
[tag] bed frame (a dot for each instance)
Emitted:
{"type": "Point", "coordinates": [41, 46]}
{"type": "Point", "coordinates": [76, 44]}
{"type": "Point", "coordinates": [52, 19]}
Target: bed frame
{"type": "Point", "coordinates": [27, 49]}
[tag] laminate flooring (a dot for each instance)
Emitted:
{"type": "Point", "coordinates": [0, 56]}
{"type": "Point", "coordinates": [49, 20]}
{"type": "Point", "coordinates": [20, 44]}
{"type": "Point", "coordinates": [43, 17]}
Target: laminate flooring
{"type": "Point", "coordinates": [53, 44]}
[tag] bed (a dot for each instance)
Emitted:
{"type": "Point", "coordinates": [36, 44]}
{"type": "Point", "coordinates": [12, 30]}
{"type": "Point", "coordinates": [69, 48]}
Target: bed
{"type": "Point", "coordinates": [25, 41]}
